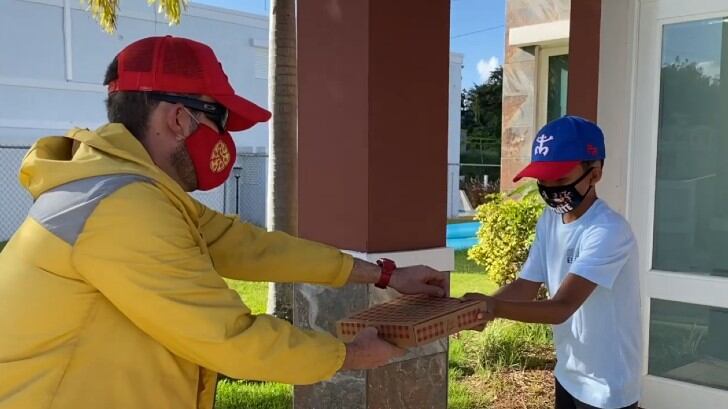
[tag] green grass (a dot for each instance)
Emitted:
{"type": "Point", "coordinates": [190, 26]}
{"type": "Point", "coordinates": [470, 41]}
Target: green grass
{"type": "Point", "coordinates": [468, 277]}
{"type": "Point", "coordinates": [463, 265]}
{"type": "Point", "coordinates": [253, 395]}
{"type": "Point", "coordinates": [509, 362]}
{"type": "Point", "coordinates": [461, 396]}
{"type": "Point", "coordinates": [254, 295]}
{"type": "Point", "coordinates": [505, 345]}
{"type": "Point", "coordinates": [461, 283]}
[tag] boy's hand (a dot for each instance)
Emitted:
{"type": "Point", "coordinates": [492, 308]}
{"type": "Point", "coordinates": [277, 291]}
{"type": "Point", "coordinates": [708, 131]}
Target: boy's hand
{"type": "Point", "coordinates": [486, 315]}
{"type": "Point", "coordinates": [368, 351]}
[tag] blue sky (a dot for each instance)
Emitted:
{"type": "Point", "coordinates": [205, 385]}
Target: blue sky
{"type": "Point", "coordinates": [476, 30]}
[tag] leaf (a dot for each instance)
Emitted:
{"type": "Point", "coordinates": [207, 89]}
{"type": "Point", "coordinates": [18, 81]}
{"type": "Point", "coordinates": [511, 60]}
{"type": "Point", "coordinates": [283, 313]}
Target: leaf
{"type": "Point", "coordinates": [106, 11]}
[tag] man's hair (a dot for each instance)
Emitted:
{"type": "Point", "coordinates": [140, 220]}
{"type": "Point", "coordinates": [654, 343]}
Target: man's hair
{"type": "Point", "coordinates": [129, 108]}
{"type": "Point", "coordinates": [592, 164]}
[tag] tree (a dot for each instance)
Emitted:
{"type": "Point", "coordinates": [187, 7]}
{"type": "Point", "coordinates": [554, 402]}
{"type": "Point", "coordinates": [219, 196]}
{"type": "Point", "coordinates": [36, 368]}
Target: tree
{"type": "Point", "coordinates": [282, 200]}
{"type": "Point", "coordinates": [480, 107]}
{"type": "Point", "coordinates": [480, 116]}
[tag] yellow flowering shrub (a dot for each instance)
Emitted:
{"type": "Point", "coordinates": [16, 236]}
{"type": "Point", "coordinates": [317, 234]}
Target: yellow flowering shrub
{"type": "Point", "coordinates": [508, 228]}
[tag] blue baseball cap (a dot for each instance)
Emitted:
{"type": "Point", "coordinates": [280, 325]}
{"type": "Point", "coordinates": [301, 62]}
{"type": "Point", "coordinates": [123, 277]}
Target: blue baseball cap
{"type": "Point", "coordinates": [561, 145]}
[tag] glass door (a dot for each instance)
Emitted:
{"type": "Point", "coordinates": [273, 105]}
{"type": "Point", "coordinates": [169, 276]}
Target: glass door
{"type": "Point", "coordinates": [679, 200]}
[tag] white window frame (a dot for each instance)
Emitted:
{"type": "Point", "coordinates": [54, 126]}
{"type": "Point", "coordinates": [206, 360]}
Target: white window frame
{"type": "Point", "coordinates": [542, 89]}
{"type": "Point", "coordinates": [658, 392]}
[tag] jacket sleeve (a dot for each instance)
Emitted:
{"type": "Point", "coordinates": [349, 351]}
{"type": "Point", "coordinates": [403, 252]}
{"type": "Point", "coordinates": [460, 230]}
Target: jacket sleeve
{"type": "Point", "coordinates": [242, 251]}
{"type": "Point", "coordinates": [140, 253]}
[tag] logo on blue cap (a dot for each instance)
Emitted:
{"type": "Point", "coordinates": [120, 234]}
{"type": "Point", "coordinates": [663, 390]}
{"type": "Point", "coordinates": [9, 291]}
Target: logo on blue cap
{"type": "Point", "coordinates": [569, 138]}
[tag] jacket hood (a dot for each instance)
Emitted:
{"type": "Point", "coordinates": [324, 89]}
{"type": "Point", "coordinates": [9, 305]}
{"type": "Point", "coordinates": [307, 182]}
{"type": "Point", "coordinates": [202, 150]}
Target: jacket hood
{"type": "Point", "coordinates": [111, 149]}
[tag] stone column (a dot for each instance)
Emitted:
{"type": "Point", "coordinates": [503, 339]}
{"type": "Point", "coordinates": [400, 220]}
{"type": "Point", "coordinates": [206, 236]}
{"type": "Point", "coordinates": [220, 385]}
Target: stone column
{"type": "Point", "coordinates": [373, 112]}
{"type": "Point", "coordinates": [520, 84]}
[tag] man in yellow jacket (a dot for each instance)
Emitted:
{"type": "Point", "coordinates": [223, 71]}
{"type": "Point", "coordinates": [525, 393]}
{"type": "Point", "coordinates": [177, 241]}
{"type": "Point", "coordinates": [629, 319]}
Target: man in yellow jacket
{"type": "Point", "coordinates": [111, 291]}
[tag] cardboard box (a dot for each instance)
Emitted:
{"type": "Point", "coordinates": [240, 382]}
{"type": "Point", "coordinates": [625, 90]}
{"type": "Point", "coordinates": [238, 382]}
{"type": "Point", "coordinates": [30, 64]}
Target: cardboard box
{"type": "Point", "coordinates": [413, 320]}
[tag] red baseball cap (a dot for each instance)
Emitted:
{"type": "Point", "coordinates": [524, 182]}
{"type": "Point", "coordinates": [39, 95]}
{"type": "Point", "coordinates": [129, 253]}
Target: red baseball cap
{"type": "Point", "coordinates": [183, 66]}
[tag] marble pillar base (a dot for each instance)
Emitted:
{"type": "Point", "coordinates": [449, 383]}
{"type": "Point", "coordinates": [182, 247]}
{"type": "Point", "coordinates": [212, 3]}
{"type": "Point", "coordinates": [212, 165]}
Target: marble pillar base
{"type": "Point", "coordinates": [417, 380]}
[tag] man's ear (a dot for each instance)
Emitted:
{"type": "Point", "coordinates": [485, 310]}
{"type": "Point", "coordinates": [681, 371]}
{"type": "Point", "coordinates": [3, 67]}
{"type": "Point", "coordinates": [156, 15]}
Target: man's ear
{"type": "Point", "coordinates": [174, 117]}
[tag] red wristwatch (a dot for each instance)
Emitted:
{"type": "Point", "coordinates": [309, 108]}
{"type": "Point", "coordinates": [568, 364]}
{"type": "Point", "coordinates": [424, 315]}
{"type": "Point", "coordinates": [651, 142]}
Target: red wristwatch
{"type": "Point", "coordinates": [387, 266]}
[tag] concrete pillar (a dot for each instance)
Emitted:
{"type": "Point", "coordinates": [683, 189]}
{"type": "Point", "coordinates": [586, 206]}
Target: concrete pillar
{"type": "Point", "coordinates": [520, 84]}
{"type": "Point", "coordinates": [373, 123]}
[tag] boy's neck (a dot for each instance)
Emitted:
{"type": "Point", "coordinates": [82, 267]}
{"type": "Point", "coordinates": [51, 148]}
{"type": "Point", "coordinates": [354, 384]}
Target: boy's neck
{"type": "Point", "coordinates": [585, 205]}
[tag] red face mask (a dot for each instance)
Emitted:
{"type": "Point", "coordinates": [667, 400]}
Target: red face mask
{"type": "Point", "coordinates": [212, 154]}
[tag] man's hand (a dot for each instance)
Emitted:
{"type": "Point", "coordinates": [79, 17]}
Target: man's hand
{"type": "Point", "coordinates": [486, 315]}
{"type": "Point", "coordinates": [419, 280]}
{"type": "Point", "coordinates": [368, 351]}
{"type": "Point", "coordinates": [406, 280]}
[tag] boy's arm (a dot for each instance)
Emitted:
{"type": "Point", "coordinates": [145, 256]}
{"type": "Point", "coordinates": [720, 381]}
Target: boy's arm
{"type": "Point", "coordinates": [518, 290]}
{"type": "Point", "coordinates": [604, 251]}
{"type": "Point", "coordinates": [574, 290]}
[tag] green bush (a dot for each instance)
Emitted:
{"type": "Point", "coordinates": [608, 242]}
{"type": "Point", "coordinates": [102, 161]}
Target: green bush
{"type": "Point", "coordinates": [508, 228]}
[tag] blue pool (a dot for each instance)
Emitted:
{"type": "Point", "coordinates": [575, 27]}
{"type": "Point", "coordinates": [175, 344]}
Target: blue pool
{"type": "Point", "coordinates": [462, 236]}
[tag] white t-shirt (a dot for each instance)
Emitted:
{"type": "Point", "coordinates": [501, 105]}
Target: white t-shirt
{"type": "Point", "coordinates": [599, 348]}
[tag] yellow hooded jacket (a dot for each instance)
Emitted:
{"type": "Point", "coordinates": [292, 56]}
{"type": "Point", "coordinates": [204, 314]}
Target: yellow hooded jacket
{"type": "Point", "coordinates": [111, 291]}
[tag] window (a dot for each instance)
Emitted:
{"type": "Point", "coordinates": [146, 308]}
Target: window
{"type": "Point", "coordinates": [553, 80]}
{"type": "Point", "coordinates": [691, 216]}
{"type": "Point", "coordinates": [687, 343]}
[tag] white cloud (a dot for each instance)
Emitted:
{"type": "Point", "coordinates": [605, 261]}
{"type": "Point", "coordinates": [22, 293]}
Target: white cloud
{"type": "Point", "coordinates": [710, 68]}
{"type": "Point", "coordinates": [486, 67]}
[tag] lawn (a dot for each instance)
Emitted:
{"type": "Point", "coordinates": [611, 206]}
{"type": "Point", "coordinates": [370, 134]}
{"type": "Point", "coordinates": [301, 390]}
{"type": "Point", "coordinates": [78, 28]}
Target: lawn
{"type": "Point", "coordinates": [507, 366]}
{"type": "Point", "coordinates": [254, 295]}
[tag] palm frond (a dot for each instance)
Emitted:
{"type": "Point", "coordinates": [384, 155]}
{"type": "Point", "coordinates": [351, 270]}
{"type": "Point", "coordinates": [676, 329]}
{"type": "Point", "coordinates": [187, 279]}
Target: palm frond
{"type": "Point", "coordinates": [106, 11]}
{"type": "Point", "coordinates": [172, 9]}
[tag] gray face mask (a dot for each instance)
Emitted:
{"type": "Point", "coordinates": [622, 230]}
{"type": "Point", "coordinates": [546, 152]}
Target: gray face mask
{"type": "Point", "coordinates": [564, 199]}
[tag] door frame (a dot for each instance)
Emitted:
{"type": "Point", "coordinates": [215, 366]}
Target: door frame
{"type": "Point", "coordinates": [652, 16]}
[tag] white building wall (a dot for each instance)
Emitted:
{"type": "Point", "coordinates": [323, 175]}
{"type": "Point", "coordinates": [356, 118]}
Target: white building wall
{"type": "Point", "coordinates": [53, 57]}
{"type": "Point", "coordinates": [453, 135]}
{"type": "Point", "coordinates": [617, 61]}
{"type": "Point", "coordinates": [52, 65]}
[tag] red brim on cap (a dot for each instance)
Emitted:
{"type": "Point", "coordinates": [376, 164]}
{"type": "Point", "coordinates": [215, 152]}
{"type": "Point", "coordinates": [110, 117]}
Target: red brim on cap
{"type": "Point", "coordinates": [546, 170]}
{"type": "Point", "coordinates": [242, 114]}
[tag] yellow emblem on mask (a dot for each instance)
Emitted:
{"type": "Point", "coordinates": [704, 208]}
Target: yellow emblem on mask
{"type": "Point", "coordinates": [220, 157]}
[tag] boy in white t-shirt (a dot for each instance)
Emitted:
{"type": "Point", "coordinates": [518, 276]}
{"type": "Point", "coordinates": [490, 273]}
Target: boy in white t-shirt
{"type": "Point", "coordinates": [586, 255]}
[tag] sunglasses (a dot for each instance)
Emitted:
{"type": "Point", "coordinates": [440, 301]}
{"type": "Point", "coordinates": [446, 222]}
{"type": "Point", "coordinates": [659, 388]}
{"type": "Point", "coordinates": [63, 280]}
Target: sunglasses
{"type": "Point", "coordinates": [215, 112]}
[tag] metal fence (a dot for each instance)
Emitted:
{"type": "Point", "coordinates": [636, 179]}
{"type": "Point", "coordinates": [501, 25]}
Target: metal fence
{"type": "Point", "coordinates": [244, 193]}
{"type": "Point", "coordinates": [15, 201]}
{"type": "Point", "coordinates": [246, 188]}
